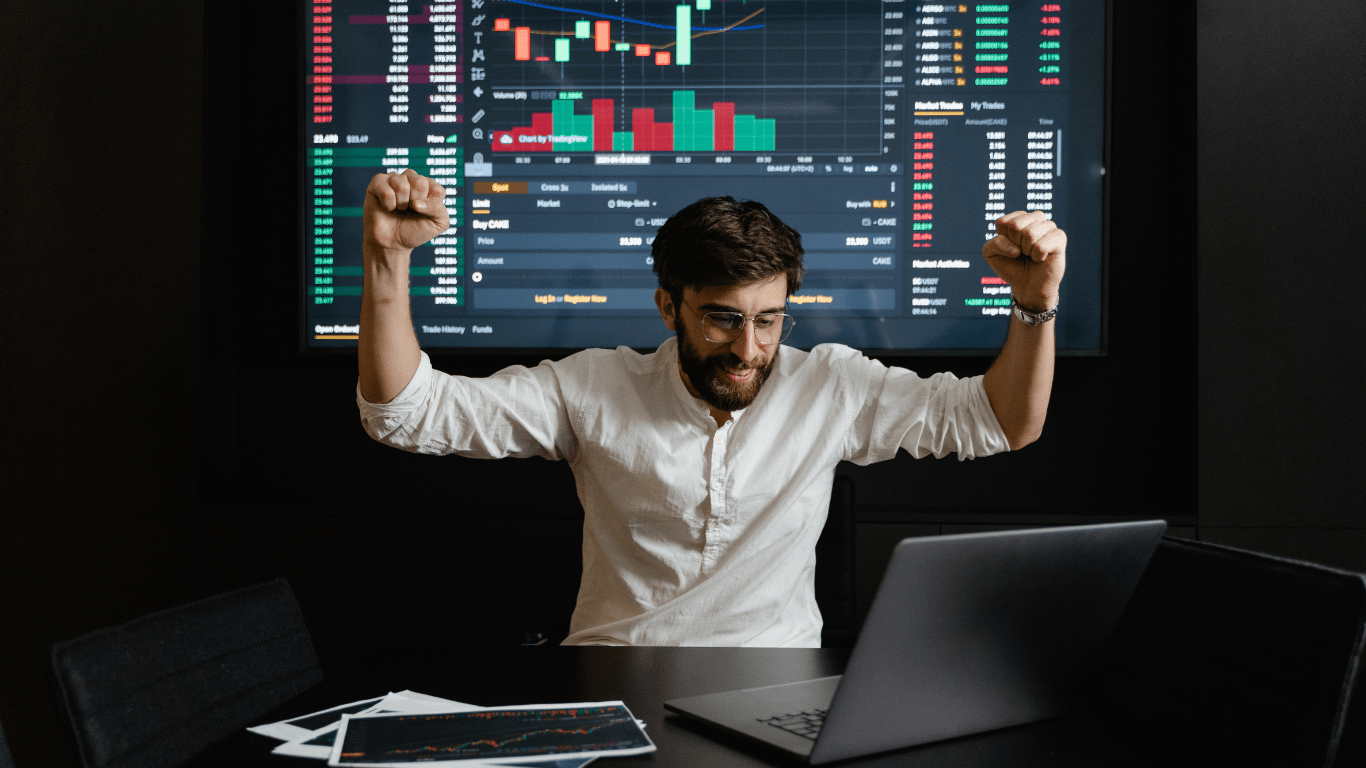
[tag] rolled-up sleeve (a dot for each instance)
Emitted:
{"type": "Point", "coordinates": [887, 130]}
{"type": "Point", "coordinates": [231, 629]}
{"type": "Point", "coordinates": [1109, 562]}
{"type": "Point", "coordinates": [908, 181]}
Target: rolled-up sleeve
{"type": "Point", "coordinates": [935, 415]}
{"type": "Point", "coordinates": [518, 411]}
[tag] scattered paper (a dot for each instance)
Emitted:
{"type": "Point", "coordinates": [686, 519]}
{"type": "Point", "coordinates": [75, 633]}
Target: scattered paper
{"type": "Point", "coordinates": [301, 727]}
{"type": "Point", "coordinates": [317, 744]}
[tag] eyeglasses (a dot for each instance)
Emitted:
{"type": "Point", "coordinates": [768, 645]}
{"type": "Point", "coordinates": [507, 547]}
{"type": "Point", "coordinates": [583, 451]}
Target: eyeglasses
{"type": "Point", "coordinates": [724, 327]}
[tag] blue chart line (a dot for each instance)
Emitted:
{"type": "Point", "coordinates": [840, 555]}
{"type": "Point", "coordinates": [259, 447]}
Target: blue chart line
{"type": "Point", "coordinates": [630, 21]}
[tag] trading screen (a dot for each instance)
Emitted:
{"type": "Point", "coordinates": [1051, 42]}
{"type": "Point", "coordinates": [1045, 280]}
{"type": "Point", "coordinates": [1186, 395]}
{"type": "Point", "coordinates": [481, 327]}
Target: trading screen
{"type": "Point", "coordinates": [890, 134]}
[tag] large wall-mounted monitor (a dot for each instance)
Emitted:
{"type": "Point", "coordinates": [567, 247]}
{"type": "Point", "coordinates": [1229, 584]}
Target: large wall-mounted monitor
{"type": "Point", "coordinates": [889, 134]}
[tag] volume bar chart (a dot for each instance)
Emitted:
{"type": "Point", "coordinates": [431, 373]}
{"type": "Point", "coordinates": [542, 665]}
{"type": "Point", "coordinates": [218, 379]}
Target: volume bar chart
{"type": "Point", "coordinates": [563, 129]}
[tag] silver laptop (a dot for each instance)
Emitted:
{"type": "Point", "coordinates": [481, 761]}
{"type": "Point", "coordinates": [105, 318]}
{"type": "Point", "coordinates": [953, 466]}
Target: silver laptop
{"type": "Point", "coordinates": [968, 633]}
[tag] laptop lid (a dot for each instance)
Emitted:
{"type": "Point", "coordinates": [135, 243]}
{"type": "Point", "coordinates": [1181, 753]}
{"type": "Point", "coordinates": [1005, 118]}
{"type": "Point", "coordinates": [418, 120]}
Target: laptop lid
{"type": "Point", "coordinates": [974, 632]}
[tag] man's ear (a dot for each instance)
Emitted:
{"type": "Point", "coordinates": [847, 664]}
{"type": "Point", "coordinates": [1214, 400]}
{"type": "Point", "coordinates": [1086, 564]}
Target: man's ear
{"type": "Point", "coordinates": [667, 309]}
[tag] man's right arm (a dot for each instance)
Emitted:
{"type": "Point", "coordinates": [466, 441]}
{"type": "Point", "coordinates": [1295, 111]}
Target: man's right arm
{"type": "Point", "coordinates": [402, 211]}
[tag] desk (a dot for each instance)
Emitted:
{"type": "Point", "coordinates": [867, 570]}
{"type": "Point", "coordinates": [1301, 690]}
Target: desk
{"type": "Point", "coordinates": [644, 678]}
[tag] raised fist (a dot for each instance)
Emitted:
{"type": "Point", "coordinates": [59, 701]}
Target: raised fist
{"type": "Point", "coordinates": [404, 210]}
{"type": "Point", "coordinates": [1029, 252]}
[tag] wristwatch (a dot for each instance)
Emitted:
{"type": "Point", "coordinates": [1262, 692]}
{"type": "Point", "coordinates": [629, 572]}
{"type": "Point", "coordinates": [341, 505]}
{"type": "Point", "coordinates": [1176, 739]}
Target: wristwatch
{"type": "Point", "coordinates": [1032, 318]}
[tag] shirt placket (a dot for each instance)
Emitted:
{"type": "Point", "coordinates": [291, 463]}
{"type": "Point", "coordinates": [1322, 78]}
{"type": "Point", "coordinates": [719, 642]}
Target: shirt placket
{"type": "Point", "coordinates": [717, 530]}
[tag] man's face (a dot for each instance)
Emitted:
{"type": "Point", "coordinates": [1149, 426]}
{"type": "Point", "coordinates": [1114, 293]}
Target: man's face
{"type": "Point", "coordinates": [726, 376]}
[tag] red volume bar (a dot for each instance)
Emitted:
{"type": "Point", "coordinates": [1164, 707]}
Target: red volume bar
{"type": "Point", "coordinates": [723, 126]}
{"type": "Point", "coordinates": [602, 125]}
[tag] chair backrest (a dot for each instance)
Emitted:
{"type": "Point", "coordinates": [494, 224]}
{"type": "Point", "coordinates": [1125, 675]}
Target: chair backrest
{"type": "Point", "coordinates": [6, 760]}
{"type": "Point", "coordinates": [1251, 656]}
{"type": "Point", "coordinates": [163, 688]}
{"type": "Point", "coordinates": [835, 568]}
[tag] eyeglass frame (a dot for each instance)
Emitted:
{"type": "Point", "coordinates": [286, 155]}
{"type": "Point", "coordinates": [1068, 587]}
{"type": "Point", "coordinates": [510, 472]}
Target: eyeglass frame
{"type": "Point", "coordinates": [748, 320]}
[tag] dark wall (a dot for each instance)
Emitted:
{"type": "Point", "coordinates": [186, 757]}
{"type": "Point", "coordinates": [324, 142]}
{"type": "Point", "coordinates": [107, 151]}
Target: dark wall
{"type": "Point", "coordinates": [99, 333]}
{"type": "Point", "coordinates": [1282, 136]}
{"type": "Point", "coordinates": [167, 441]}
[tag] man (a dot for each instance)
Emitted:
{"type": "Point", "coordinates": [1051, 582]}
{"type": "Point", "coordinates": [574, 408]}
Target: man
{"type": "Point", "coordinates": [704, 468]}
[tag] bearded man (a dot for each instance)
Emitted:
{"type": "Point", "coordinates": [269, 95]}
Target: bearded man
{"type": "Point", "coordinates": [705, 467]}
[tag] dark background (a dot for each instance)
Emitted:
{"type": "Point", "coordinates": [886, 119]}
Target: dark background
{"type": "Point", "coordinates": [165, 440]}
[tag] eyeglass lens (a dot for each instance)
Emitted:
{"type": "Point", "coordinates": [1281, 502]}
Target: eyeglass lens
{"type": "Point", "coordinates": [725, 327]}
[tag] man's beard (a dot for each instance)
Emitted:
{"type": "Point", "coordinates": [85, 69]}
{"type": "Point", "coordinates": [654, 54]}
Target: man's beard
{"type": "Point", "coordinates": [707, 376]}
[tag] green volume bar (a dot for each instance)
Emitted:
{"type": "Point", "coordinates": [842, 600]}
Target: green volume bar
{"type": "Point", "coordinates": [562, 117]}
{"type": "Point", "coordinates": [766, 134]}
{"type": "Point", "coordinates": [583, 126]}
{"type": "Point", "coordinates": [683, 120]}
{"type": "Point", "coordinates": [683, 15]}
{"type": "Point", "coordinates": [744, 134]}
{"type": "Point", "coordinates": [703, 130]}
{"type": "Point", "coordinates": [575, 131]}
{"type": "Point", "coordinates": [755, 134]}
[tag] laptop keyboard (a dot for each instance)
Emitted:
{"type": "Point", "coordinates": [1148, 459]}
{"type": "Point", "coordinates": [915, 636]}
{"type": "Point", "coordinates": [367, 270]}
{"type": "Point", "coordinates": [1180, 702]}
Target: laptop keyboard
{"type": "Point", "coordinates": [806, 723]}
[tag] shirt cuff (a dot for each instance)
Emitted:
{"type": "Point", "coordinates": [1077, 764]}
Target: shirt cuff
{"type": "Point", "coordinates": [415, 384]}
{"type": "Point", "coordinates": [993, 436]}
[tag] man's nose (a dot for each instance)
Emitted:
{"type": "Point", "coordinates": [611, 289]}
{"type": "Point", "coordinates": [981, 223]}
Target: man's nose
{"type": "Point", "coordinates": [746, 345]}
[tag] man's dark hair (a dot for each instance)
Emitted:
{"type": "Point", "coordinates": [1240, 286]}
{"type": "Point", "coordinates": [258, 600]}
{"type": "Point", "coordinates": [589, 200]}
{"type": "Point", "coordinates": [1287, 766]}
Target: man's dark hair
{"type": "Point", "coordinates": [717, 241]}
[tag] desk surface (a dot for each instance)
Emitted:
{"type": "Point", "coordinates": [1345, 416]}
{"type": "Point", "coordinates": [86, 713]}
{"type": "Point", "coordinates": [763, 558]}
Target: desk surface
{"type": "Point", "coordinates": [644, 678]}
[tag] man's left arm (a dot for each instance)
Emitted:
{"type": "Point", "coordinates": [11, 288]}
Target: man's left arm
{"type": "Point", "coordinates": [1028, 253]}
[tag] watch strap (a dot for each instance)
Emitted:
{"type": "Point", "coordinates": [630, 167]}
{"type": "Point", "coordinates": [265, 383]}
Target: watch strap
{"type": "Point", "coordinates": [1032, 318]}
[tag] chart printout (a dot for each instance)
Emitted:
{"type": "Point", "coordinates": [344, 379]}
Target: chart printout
{"type": "Point", "coordinates": [890, 134]}
{"type": "Point", "coordinates": [500, 735]}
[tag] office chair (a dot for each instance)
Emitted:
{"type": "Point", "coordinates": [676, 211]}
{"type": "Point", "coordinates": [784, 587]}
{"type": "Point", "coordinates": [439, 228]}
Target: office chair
{"type": "Point", "coordinates": [6, 760]}
{"type": "Point", "coordinates": [163, 688]}
{"type": "Point", "coordinates": [1247, 656]}
{"type": "Point", "coordinates": [835, 568]}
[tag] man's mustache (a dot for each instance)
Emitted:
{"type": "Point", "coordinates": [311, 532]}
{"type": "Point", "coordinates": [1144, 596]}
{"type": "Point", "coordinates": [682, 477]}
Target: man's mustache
{"type": "Point", "coordinates": [730, 361]}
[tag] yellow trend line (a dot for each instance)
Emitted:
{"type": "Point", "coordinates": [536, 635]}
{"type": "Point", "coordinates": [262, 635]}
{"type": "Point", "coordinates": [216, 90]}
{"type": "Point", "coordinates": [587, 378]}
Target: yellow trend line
{"type": "Point", "coordinates": [716, 31]}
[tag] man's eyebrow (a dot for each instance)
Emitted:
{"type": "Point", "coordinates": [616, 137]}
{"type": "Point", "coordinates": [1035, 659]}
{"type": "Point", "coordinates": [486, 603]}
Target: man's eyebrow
{"type": "Point", "coordinates": [728, 308]}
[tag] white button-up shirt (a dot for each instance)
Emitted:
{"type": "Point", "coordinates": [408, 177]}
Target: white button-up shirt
{"type": "Point", "coordinates": [694, 534]}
